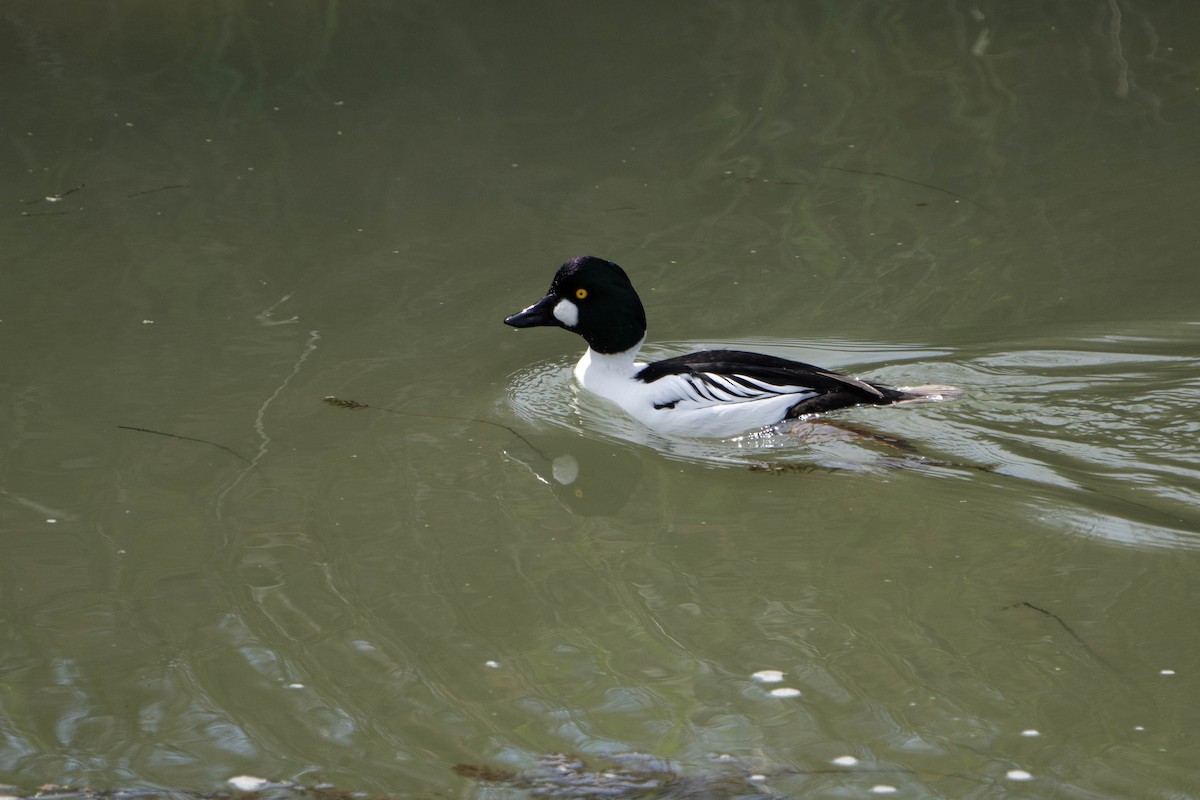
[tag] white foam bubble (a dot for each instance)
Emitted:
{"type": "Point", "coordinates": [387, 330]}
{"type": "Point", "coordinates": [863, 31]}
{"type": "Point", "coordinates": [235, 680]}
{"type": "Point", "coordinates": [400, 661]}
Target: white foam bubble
{"type": "Point", "coordinates": [248, 783]}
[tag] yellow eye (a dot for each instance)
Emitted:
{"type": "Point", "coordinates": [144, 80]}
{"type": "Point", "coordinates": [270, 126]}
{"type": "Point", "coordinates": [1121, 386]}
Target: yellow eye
{"type": "Point", "coordinates": [580, 294]}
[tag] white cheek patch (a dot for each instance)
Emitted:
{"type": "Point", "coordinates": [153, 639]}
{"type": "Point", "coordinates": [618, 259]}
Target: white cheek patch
{"type": "Point", "coordinates": [567, 313]}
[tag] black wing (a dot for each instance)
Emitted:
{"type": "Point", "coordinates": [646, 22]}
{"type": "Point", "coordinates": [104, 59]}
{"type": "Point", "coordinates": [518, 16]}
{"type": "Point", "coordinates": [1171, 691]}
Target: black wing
{"type": "Point", "coordinates": [723, 376]}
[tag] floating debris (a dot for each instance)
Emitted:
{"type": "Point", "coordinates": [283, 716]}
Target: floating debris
{"type": "Point", "coordinates": [338, 402]}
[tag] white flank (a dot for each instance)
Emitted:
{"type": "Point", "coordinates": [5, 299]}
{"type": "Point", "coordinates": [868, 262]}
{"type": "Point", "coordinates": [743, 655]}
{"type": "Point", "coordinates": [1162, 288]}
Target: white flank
{"type": "Point", "coordinates": [692, 413]}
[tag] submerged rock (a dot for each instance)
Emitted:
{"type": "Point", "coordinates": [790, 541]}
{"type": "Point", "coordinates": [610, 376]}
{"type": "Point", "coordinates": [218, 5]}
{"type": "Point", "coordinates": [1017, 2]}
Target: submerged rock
{"type": "Point", "coordinates": [562, 776]}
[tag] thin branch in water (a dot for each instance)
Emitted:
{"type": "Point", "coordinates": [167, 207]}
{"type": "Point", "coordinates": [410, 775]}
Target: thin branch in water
{"type": "Point", "coordinates": [771, 180]}
{"type": "Point", "coordinates": [159, 189]}
{"type": "Point", "coordinates": [54, 198]}
{"type": "Point", "coordinates": [1065, 627]}
{"type": "Point", "coordinates": [354, 405]}
{"type": "Point", "coordinates": [876, 174]}
{"type": "Point", "coordinates": [234, 453]}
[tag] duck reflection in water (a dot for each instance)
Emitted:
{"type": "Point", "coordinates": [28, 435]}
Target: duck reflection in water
{"type": "Point", "coordinates": [589, 479]}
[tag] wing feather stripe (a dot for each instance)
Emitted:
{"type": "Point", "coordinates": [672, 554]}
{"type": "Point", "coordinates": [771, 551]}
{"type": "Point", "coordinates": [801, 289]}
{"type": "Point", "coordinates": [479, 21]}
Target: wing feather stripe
{"type": "Point", "coordinates": [698, 389]}
{"type": "Point", "coordinates": [723, 383]}
{"type": "Point", "coordinates": [761, 387]}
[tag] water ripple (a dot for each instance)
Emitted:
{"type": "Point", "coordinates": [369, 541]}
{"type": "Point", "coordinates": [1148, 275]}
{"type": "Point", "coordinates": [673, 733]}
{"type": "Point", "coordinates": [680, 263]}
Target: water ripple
{"type": "Point", "coordinates": [1101, 428]}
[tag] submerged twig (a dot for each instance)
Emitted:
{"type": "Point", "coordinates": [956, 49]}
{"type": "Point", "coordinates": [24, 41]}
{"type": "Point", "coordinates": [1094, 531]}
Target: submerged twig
{"type": "Point", "coordinates": [1062, 623]}
{"type": "Point", "coordinates": [771, 180]}
{"type": "Point", "coordinates": [56, 198]}
{"type": "Point", "coordinates": [354, 405]}
{"type": "Point", "coordinates": [159, 189]}
{"type": "Point", "coordinates": [53, 198]}
{"type": "Point", "coordinates": [877, 174]}
{"type": "Point", "coordinates": [234, 453]}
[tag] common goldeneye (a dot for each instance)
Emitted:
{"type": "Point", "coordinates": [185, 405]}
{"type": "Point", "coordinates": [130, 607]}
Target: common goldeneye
{"type": "Point", "coordinates": [713, 393]}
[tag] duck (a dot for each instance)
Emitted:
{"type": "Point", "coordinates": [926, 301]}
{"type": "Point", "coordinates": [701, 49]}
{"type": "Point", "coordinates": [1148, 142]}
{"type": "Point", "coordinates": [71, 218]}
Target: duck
{"type": "Point", "coordinates": [706, 394]}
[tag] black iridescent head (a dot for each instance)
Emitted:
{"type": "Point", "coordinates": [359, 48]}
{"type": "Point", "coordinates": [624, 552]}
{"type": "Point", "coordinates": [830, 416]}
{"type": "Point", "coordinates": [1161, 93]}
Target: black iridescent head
{"type": "Point", "coordinates": [593, 298]}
